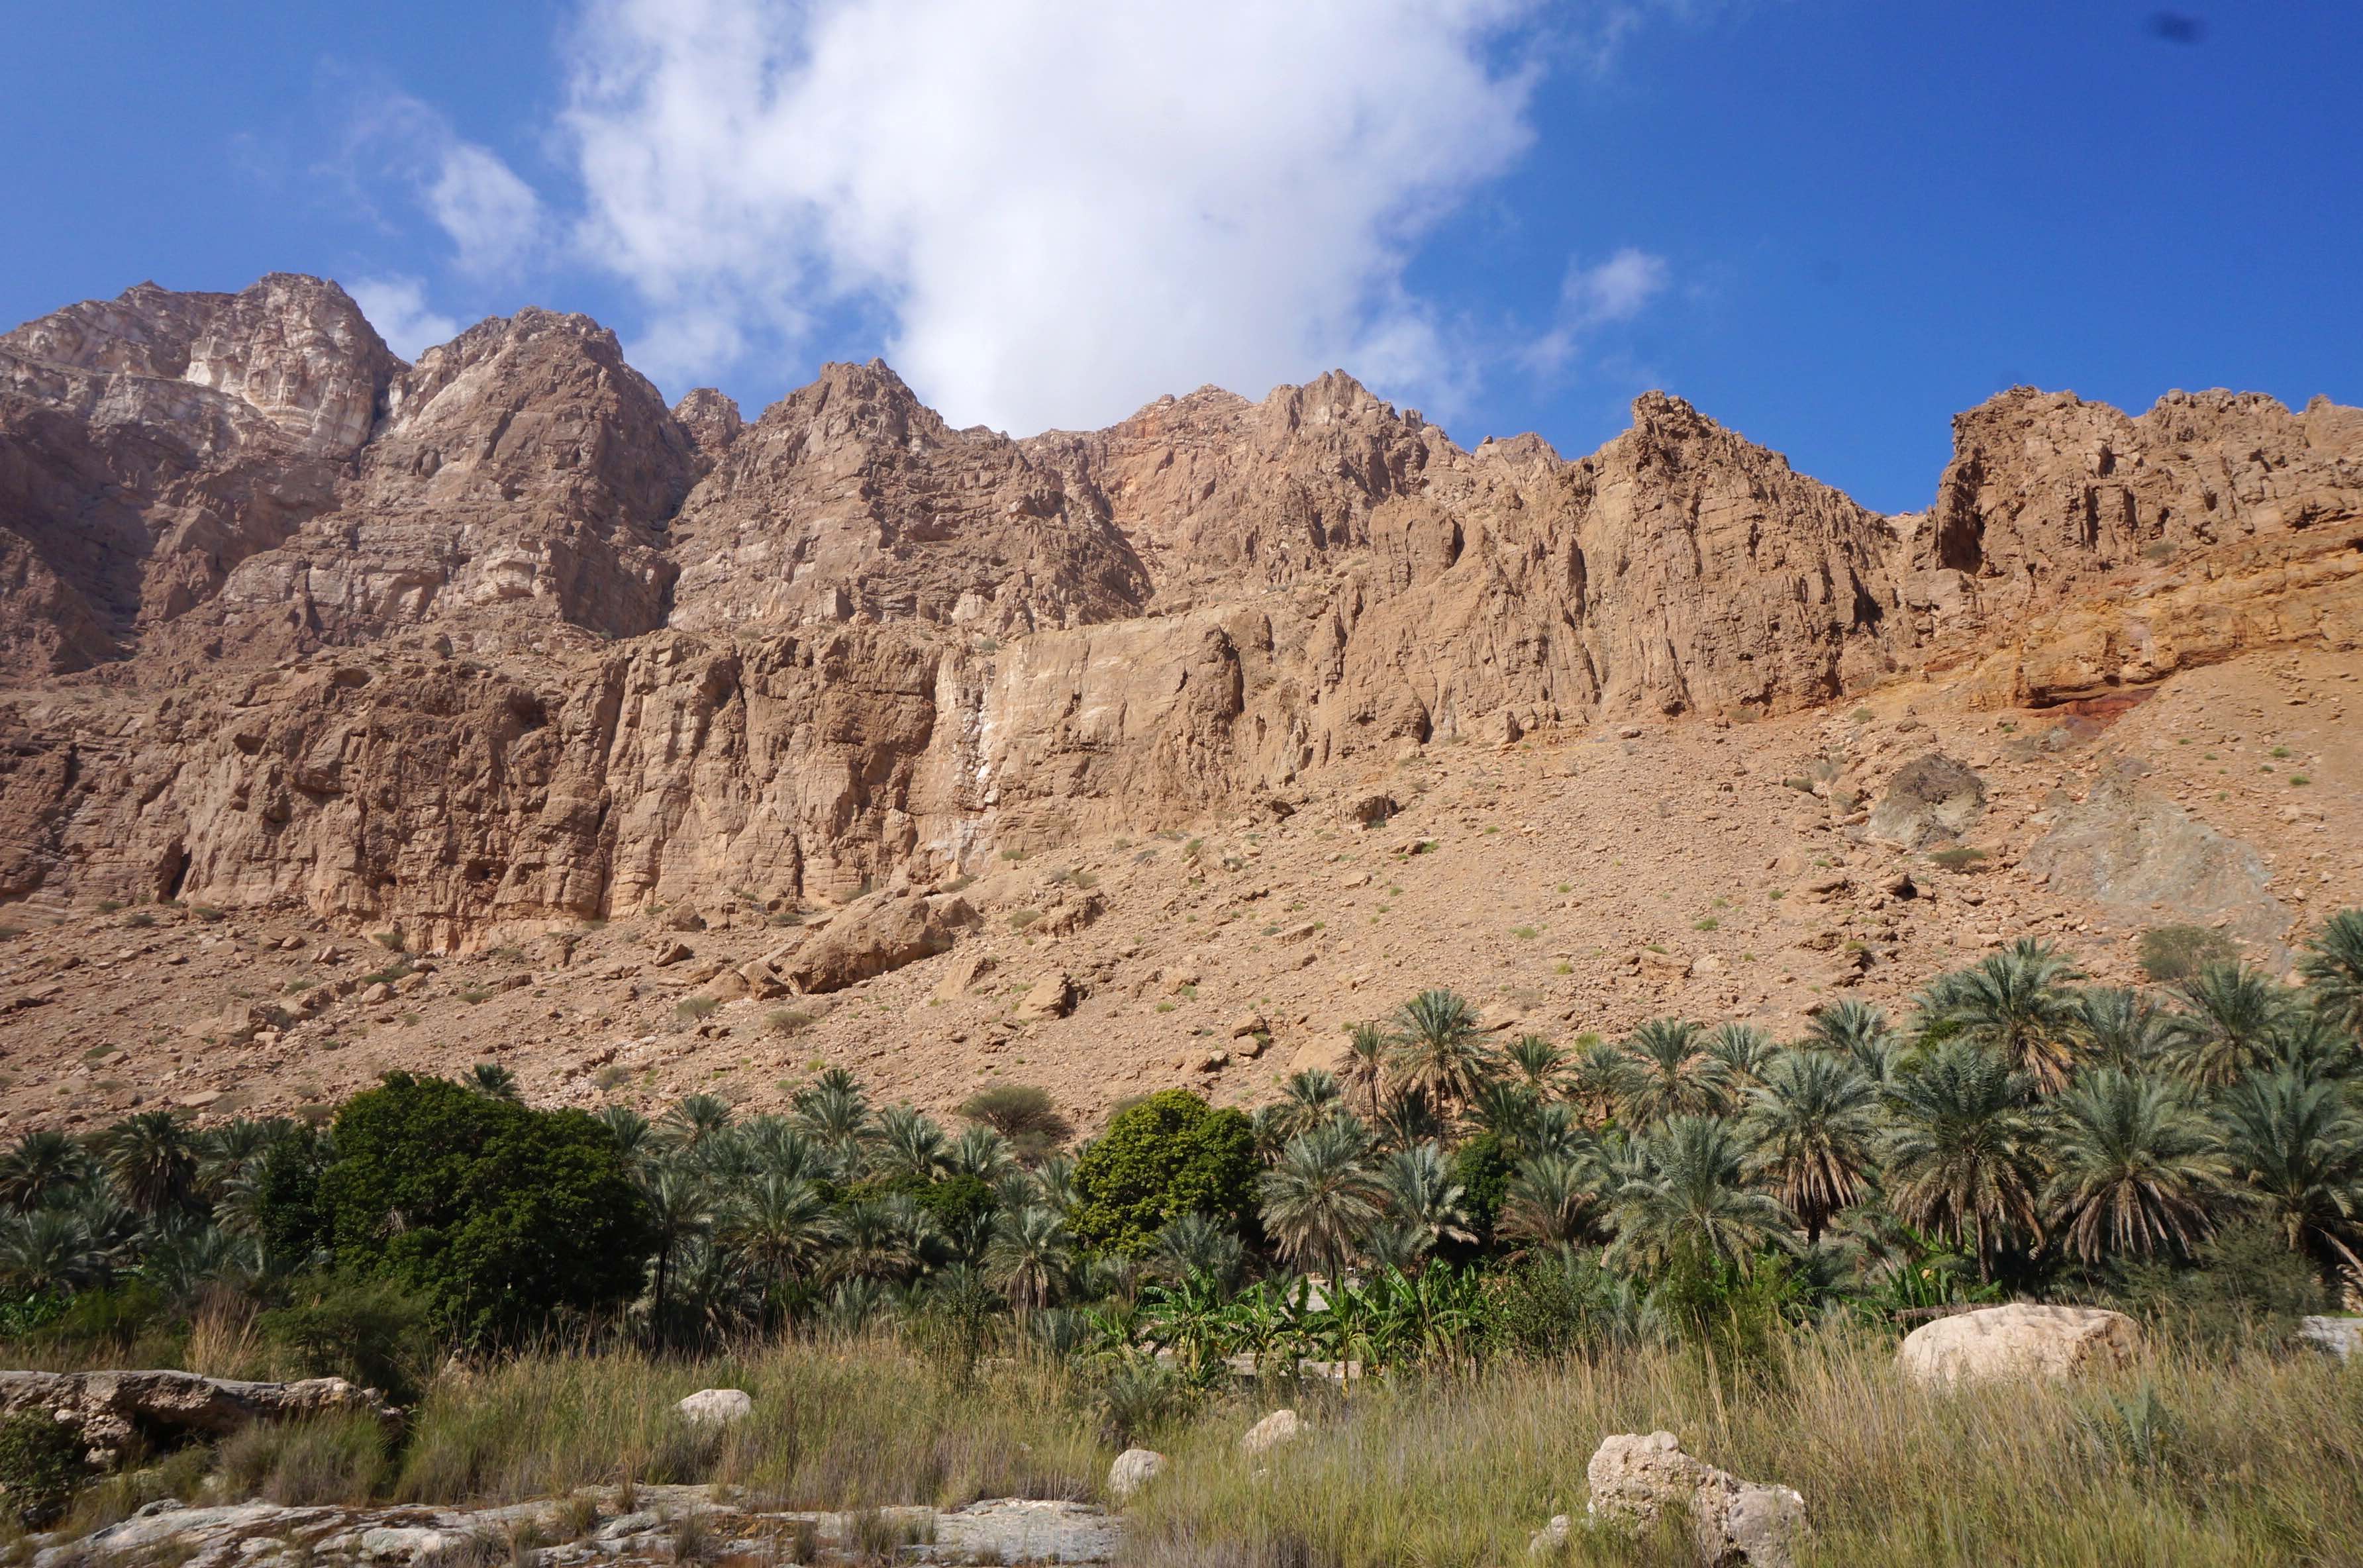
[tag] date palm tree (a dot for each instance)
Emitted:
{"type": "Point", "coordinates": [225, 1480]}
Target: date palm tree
{"type": "Point", "coordinates": [1030, 1255]}
{"type": "Point", "coordinates": [1550, 1201]}
{"type": "Point", "coordinates": [1689, 1199]}
{"type": "Point", "coordinates": [1960, 1158]}
{"type": "Point", "coordinates": [2332, 965]}
{"type": "Point", "coordinates": [491, 1079]}
{"type": "Point", "coordinates": [1366, 1053]}
{"type": "Point", "coordinates": [2232, 1015]}
{"type": "Point", "coordinates": [780, 1224]}
{"type": "Point", "coordinates": [1423, 1198]}
{"type": "Point", "coordinates": [1308, 1099]}
{"type": "Point", "coordinates": [2300, 1149]}
{"type": "Point", "coordinates": [1858, 1032]}
{"type": "Point", "coordinates": [693, 1119]}
{"type": "Point", "coordinates": [1742, 1050]}
{"type": "Point", "coordinates": [1671, 1074]}
{"type": "Point", "coordinates": [1813, 1124]}
{"type": "Point", "coordinates": [151, 1157]}
{"type": "Point", "coordinates": [1437, 1050]}
{"type": "Point", "coordinates": [50, 1250]}
{"type": "Point", "coordinates": [909, 1145]}
{"type": "Point", "coordinates": [1197, 1245]}
{"type": "Point", "coordinates": [2123, 1028]}
{"type": "Point", "coordinates": [2136, 1168]}
{"type": "Point", "coordinates": [2016, 1004]}
{"type": "Point", "coordinates": [1320, 1197]}
{"type": "Point", "coordinates": [42, 1166]}
{"type": "Point", "coordinates": [1539, 1063]}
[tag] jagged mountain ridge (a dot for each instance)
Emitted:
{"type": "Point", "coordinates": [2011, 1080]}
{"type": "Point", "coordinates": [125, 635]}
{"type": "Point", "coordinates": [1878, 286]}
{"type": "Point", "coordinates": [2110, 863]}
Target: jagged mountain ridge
{"type": "Point", "coordinates": [497, 638]}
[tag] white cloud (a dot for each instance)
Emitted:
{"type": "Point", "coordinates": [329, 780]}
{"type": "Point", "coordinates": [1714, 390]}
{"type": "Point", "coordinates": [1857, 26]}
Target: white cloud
{"type": "Point", "coordinates": [495, 220]}
{"type": "Point", "coordinates": [397, 307]}
{"type": "Point", "coordinates": [491, 215]}
{"type": "Point", "coordinates": [1601, 294]}
{"type": "Point", "coordinates": [1063, 209]}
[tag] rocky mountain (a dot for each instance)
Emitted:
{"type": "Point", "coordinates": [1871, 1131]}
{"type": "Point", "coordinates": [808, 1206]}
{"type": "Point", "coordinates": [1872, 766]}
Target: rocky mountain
{"type": "Point", "coordinates": [496, 643]}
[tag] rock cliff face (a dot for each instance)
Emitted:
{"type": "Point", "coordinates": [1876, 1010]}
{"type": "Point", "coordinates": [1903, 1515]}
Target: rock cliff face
{"type": "Point", "coordinates": [497, 638]}
{"type": "Point", "coordinates": [149, 444]}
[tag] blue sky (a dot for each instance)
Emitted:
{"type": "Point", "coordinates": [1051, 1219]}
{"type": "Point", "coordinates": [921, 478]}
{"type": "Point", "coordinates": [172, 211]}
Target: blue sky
{"type": "Point", "coordinates": [1831, 224]}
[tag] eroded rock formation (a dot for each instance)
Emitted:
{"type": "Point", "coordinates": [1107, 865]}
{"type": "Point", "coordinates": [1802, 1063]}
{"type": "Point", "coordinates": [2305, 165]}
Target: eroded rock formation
{"type": "Point", "coordinates": [497, 638]}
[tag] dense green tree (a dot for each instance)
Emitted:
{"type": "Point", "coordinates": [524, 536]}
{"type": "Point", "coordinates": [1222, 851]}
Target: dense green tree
{"type": "Point", "coordinates": [1166, 1156]}
{"type": "Point", "coordinates": [497, 1215]}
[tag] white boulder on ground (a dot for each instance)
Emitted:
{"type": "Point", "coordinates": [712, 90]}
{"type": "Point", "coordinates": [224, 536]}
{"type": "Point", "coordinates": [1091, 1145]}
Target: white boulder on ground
{"type": "Point", "coordinates": [1636, 1479]}
{"type": "Point", "coordinates": [716, 1407]}
{"type": "Point", "coordinates": [1134, 1469]}
{"type": "Point", "coordinates": [2019, 1341]}
{"type": "Point", "coordinates": [1275, 1430]}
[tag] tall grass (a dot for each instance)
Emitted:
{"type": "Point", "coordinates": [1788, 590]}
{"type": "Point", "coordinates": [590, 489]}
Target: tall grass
{"type": "Point", "coordinates": [834, 1426]}
{"type": "Point", "coordinates": [2230, 1456]}
{"type": "Point", "coordinates": [2234, 1461]}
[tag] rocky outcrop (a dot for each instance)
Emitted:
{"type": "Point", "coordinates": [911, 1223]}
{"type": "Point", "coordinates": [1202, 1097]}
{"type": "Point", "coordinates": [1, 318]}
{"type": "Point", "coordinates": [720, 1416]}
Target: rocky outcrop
{"type": "Point", "coordinates": [151, 443]}
{"type": "Point", "coordinates": [1932, 800]}
{"type": "Point", "coordinates": [852, 500]}
{"type": "Point", "coordinates": [498, 639]}
{"type": "Point", "coordinates": [110, 1409]}
{"type": "Point", "coordinates": [1634, 1481]}
{"type": "Point", "coordinates": [2110, 549]}
{"type": "Point", "coordinates": [2021, 1342]}
{"type": "Point", "coordinates": [877, 933]}
{"type": "Point", "coordinates": [2135, 852]}
{"type": "Point", "coordinates": [517, 489]}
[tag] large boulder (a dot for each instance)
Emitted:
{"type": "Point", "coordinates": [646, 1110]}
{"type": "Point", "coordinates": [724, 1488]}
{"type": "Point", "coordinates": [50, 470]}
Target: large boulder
{"type": "Point", "coordinates": [872, 936]}
{"type": "Point", "coordinates": [716, 1407]}
{"type": "Point", "coordinates": [1634, 1480]}
{"type": "Point", "coordinates": [2019, 1341]}
{"type": "Point", "coordinates": [109, 1409]}
{"type": "Point", "coordinates": [1134, 1469]}
{"type": "Point", "coordinates": [1932, 800]}
{"type": "Point", "coordinates": [1276, 1430]}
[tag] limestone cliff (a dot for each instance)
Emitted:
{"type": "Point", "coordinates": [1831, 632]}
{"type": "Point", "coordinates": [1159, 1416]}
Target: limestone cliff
{"type": "Point", "coordinates": [497, 638]}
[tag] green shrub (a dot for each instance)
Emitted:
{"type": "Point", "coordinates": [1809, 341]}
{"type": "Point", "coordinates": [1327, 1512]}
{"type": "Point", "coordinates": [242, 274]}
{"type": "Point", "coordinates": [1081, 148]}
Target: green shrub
{"type": "Point", "coordinates": [1022, 1114]}
{"type": "Point", "coordinates": [2177, 952]}
{"type": "Point", "coordinates": [2244, 1286]}
{"type": "Point", "coordinates": [41, 1468]}
{"type": "Point", "coordinates": [501, 1217]}
{"type": "Point", "coordinates": [1167, 1155]}
{"type": "Point", "coordinates": [1960, 857]}
{"type": "Point", "coordinates": [369, 1331]}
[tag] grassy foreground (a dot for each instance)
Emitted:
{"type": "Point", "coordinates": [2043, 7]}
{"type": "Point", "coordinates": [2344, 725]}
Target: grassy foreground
{"type": "Point", "coordinates": [2229, 1457]}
